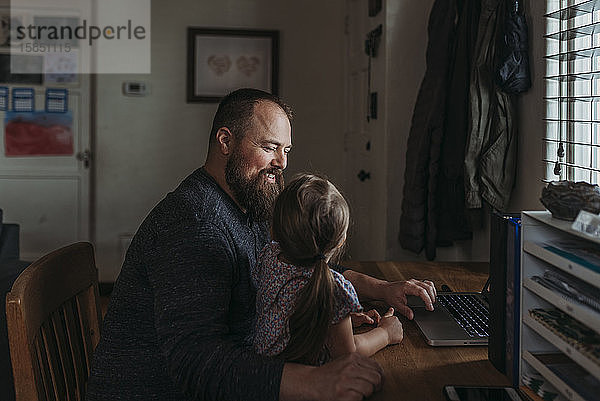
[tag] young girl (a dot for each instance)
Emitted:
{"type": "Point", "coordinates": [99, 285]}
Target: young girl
{"type": "Point", "coordinates": [302, 306]}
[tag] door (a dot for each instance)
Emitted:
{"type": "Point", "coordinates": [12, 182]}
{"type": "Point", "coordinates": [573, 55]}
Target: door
{"type": "Point", "coordinates": [49, 195]}
{"type": "Point", "coordinates": [45, 187]}
{"type": "Point", "coordinates": [364, 138]}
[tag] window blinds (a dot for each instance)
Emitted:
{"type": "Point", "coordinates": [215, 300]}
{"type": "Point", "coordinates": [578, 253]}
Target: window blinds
{"type": "Point", "coordinates": [572, 140]}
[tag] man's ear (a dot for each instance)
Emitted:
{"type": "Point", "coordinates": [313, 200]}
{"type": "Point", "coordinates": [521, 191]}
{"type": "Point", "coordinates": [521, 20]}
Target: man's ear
{"type": "Point", "coordinates": [224, 140]}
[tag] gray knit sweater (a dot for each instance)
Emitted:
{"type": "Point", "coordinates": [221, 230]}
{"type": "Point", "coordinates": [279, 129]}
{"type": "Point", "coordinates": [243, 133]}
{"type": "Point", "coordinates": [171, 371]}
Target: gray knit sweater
{"type": "Point", "coordinates": [183, 305]}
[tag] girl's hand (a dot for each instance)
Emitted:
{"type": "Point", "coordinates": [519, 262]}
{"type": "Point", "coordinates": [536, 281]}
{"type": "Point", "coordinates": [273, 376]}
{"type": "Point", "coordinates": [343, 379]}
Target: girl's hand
{"type": "Point", "coordinates": [373, 314]}
{"type": "Point", "coordinates": [370, 317]}
{"type": "Point", "coordinates": [392, 325]}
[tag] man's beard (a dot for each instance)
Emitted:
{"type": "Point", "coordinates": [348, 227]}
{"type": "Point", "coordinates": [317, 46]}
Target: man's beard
{"type": "Point", "coordinates": [256, 195]}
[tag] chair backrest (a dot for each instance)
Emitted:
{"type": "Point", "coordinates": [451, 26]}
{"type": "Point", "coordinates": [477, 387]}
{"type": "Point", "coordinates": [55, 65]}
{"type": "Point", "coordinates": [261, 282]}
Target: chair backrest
{"type": "Point", "coordinates": [53, 319]}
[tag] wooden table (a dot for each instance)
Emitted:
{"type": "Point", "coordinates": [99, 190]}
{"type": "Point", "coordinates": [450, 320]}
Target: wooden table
{"type": "Point", "coordinates": [415, 371]}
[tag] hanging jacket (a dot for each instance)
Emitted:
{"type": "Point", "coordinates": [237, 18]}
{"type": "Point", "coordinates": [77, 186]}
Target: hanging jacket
{"type": "Point", "coordinates": [491, 154]}
{"type": "Point", "coordinates": [453, 222]}
{"type": "Point", "coordinates": [417, 221]}
{"type": "Point", "coordinates": [513, 73]}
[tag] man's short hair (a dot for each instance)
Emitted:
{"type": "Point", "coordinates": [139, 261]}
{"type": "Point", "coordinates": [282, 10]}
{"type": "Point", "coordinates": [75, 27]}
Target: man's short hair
{"type": "Point", "coordinates": [237, 109]}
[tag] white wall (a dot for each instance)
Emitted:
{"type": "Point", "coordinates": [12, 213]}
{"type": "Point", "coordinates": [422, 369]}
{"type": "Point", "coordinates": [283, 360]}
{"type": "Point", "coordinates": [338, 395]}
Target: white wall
{"type": "Point", "coordinates": [145, 146]}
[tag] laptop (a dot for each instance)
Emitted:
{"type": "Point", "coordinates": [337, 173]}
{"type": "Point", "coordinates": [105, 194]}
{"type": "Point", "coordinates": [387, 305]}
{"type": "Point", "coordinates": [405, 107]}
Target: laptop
{"type": "Point", "coordinates": [459, 318]}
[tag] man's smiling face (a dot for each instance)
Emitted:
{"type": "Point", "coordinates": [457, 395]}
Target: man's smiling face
{"type": "Point", "coordinates": [254, 170]}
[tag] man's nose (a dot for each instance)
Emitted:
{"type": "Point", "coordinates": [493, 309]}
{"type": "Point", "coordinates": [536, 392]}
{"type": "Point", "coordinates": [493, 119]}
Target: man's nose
{"type": "Point", "coordinates": [280, 159]}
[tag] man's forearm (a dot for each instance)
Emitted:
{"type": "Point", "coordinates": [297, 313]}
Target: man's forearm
{"type": "Point", "coordinates": [350, 377]}
{"type": "Point", "coordinates": [366, 286]}
{"type": "Point", "coordinates": [295, 383]}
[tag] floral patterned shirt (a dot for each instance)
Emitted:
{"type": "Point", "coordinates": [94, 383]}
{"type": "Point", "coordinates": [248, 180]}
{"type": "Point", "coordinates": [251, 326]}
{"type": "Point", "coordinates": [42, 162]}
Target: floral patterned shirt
{"type": "Point", "coordinates": [278, 284]}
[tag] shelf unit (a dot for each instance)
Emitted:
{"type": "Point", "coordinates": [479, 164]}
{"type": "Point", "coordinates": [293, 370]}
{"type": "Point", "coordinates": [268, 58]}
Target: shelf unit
{"type": "Point", "coordinates": [539, 229]}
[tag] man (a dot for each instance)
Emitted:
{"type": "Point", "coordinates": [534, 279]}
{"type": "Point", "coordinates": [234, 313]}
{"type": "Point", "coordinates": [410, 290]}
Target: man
{"type": "Point", "coordinates": [180, 317]}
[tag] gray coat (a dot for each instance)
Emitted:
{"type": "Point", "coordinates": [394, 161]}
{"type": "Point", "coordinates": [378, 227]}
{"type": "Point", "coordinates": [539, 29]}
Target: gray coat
{"type": "Point", "coordinates": [491, 156]}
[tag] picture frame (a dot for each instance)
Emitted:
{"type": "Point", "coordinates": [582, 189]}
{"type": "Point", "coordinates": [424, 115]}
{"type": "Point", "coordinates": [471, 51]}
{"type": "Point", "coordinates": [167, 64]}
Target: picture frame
{"type": "Point", "coordinates": [220, 61]}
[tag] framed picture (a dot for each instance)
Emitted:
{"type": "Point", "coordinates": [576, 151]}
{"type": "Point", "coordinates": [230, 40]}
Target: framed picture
{"type": "Point", "coordinates": [223, 60]}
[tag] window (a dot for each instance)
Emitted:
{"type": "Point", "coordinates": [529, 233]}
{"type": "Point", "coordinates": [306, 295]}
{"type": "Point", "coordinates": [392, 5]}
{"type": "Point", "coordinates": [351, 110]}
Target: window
{"type": "Point", "coordinates": [572, 141]}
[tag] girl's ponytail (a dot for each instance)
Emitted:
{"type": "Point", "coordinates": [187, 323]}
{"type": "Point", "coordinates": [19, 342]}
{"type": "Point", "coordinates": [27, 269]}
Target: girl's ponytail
{"type": "Point", "coordinates": [310, 321]}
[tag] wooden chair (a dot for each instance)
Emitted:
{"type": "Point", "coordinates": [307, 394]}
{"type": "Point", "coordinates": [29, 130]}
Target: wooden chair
{"type": "Point", "coordinates": [53, 318]}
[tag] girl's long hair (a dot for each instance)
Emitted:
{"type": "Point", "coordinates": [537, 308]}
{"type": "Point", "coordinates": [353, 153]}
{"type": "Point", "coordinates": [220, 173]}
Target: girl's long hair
{"type": "Point", "coordinates": [310, 221]}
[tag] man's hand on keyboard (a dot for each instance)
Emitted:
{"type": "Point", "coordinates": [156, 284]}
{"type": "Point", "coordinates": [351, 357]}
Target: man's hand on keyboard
{"type": "Point", "coordinates": [395, 292]}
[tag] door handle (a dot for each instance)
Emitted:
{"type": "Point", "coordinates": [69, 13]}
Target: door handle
{"type": "Point", "coordinates": [85, 157]}
{"type": "Point", "coordinates": [363, 175]}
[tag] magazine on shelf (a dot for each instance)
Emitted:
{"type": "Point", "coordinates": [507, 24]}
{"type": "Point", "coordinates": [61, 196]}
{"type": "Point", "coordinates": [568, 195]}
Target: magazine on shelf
{"type": "Point", "coordinates": [585, 340]}
{"type": "Point", "coordinates": [585, 254]}
{"type": "Point", "coordinates": [573, 375]}
{"type": "Point", "coordinates": [571, 288]}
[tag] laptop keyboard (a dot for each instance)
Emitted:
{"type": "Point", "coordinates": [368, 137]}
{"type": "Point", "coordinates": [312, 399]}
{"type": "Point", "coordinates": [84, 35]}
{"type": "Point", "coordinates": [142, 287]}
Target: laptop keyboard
{"type": "Point", "coordinates": [468, 311]}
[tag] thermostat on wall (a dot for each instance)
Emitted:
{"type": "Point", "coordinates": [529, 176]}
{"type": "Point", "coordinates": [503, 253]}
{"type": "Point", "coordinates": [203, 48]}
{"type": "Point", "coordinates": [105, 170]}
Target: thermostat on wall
{"type": "Point", "coordinates": [135, 89]}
